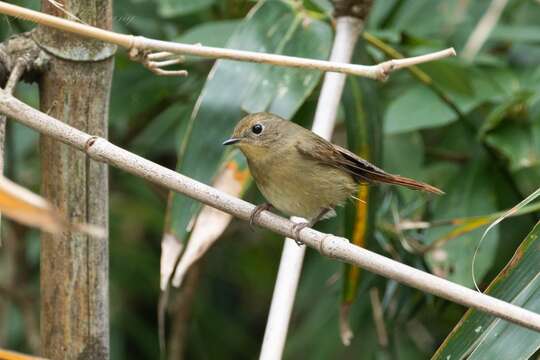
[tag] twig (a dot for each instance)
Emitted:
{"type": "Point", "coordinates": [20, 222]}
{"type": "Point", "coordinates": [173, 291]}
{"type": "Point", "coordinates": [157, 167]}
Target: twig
{"type": "Point", "coordinates": [378, 317]}
{"type": "Point", "coordinates": [419, 74]}
{"type": "Point", "coordinates": [329, 245]}
{"type": "Point", "coordinates": [14, 76]}
{"type": "Point", "coordinates": [139, 44]}
{"type": "Point", "coordinates": [482, 30]}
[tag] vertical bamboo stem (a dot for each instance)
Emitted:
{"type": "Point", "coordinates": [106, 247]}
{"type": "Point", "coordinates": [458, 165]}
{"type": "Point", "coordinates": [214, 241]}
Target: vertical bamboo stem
{"type": "Point", "coordinates": [347, 31]}
{"type": "Point", "coordinates": [74, 267]}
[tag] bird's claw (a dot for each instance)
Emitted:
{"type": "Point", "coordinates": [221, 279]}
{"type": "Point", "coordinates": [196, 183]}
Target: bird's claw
{"type": "Point", "coordinates": [260, 208]}
{"type": "Point", "coordinates": [296, 230]}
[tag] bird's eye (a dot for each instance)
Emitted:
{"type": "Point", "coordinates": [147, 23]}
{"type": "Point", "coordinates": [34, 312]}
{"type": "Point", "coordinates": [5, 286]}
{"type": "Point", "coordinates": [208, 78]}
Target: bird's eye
{"type": "Point", "coordinates": [257, 129]}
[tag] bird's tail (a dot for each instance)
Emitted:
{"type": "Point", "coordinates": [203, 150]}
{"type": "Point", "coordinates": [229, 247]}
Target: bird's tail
{"type": "Point", "coordinates": [403, 181]}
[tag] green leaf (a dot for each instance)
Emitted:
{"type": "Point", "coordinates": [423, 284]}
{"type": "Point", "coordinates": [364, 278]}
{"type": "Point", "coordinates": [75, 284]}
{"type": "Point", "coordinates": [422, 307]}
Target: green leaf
{"type": "Point", "coordinates": [406, 143]}
{"type": "Point", "coordinates": [171, 8]}
{"type": "Point", "coordinates": [513, 106]}
{"type": "Point", "coordinates": [470, 193]}
{"type": "Point", "coordinates": [323, 6]}
{"type": "Point", "coordinates": [482, 336]}
{"type": "Point", "coordinates": [517, 144]}
{"type": "Point", "coordinates": [453, 76]}
{"type": "Point", "coordinates": [418, 108]}
{"type": "Point", "coordinates": [516, 33]}
{"type": "Point", "coordinates": [215, 33]}
{"type": "Point", "coordinates": [162, 134]}
{"type": "Point", "coordinates": [233, 88]}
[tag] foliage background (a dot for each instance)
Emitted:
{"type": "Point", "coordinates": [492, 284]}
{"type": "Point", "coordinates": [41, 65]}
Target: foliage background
{"type": "Point", "coordinates": [486, 157]}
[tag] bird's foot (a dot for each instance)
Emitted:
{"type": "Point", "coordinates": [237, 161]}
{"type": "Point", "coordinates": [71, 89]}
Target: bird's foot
{"type": "Point", "coordinates": [296, 230]}
{"type": "Point", "coordinates": [260, 208]}
{"type": "Point", "coordinates": [299, 226]}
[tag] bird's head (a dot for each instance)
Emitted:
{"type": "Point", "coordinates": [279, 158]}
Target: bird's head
{"type": "Point", "coordinates": [258, 133]}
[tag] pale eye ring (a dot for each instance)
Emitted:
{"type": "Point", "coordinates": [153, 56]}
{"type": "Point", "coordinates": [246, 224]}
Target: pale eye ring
{"type": "Point", "coordinates": [257, 129]}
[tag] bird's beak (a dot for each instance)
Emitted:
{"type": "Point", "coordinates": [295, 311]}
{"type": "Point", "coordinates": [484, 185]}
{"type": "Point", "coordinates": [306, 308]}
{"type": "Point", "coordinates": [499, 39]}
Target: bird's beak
{"type": "Point", "coordinates": [231, 141]}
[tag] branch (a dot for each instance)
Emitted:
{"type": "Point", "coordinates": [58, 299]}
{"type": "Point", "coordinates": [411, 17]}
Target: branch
{"type": "Point", "coordinates": [139, 44]}
{"type": "Point", "coordinates": [329, 245]}
{"type": "Point", "coordinates": [482, 30]}
{"type": "Point", "coordinates": [13, 78]}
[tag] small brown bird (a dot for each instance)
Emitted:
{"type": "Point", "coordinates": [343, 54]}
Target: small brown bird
{"type": "Point", "coordinates": [300, 173]}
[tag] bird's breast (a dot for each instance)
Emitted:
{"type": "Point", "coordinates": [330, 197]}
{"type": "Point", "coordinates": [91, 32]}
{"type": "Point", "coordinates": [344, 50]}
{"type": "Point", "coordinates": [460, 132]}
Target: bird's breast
{"type": "Point", "coordinates": [299, 186]}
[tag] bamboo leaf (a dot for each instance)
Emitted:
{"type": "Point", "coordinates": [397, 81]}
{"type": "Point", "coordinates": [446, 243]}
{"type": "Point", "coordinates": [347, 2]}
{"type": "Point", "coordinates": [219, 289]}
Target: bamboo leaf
{"type": "Point", "coordinates": [482, 336]}
{"type": "Point", "coordinates": [171, 8]}
{"type": "Point", "coordinates": [22, 205]}
{"type": "Point", "coordinates": [469, 193]}
{"type": "Point", "coordinates": [215, 33]}
{"type": "Point", "coordinates": [25, 207]}
{"type": "Point", "coordinates": [233, 179]}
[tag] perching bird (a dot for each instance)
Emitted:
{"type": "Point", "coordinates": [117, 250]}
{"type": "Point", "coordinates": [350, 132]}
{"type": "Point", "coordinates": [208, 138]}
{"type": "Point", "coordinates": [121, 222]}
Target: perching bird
{"type": "Point", "coordinates": [300, 173]}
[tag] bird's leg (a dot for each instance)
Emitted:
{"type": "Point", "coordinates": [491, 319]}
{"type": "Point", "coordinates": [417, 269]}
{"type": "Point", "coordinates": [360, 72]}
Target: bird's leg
{"type": "Point", "coordinates": [299, 226]}
{"type": "Point", "coordinates": [260, 208]}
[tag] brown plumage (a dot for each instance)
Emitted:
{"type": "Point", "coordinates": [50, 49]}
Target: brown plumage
{"type": "Point", "coordinates": [362, 170]}
{"type": "Point", "coordinates": [302, 174]}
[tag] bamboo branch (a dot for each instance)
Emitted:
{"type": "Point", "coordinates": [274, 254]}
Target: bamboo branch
{"type": "Point", "coordinates": [482, 30]}
{"type": "Point", "coordinates": [139, 44]}
{"type": "Point", "coordinates": [292, 257]}
{"type": "Point", "coordinates": [13, 79]}
{"type": "Point", "coordinates": [329, 245]}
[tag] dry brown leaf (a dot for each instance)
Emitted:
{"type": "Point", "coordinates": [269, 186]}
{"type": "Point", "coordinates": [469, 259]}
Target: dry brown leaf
{"type": "Point", "coordinates": [25, 207]}
{"type": "Point", "coordinates": [210, 223]}
{"type": "Point", "coordinates": [11, 355]}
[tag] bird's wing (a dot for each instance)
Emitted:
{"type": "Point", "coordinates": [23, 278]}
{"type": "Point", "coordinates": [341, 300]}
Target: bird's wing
{"type": "Point", "coordinates": [335, 156]}
{"type": "Point", "coordinates": [362, 170]}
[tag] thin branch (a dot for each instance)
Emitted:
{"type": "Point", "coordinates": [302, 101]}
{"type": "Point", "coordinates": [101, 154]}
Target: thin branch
{"type": "Point", "coordinates": [418, 73]}
{"type": "Point", "coordinates": [482, 30]}
{"type": "Point", "coordinates": [329, 245]}
{"type": "Point", "coordinates": [378, 317]}
{"type": "Point", "coordinates": [139, 44]}
{"type": "Point", "coordinates": [13, 79]}
{"type": "Point", "coordinates": [14, 76]}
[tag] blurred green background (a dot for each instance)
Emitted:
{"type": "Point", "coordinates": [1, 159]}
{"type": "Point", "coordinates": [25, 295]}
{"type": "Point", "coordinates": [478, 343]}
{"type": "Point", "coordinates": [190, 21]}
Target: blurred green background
{"type": "Point", "coordinates": [471, 128]}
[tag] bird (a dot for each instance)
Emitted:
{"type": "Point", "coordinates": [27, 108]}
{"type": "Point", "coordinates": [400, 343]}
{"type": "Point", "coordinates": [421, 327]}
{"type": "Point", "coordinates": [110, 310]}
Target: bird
{"type": "Point", "coordinates": [302, 174]}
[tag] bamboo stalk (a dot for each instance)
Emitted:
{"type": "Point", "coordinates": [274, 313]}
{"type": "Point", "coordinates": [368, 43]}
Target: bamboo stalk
{"type": "Point", "coordinates": [292, 258]}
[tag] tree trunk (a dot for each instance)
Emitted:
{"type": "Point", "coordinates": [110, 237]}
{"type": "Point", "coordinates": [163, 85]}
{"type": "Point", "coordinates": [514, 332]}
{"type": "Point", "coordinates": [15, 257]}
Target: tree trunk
{"type": "Point", "coordinates": [74, 267]}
